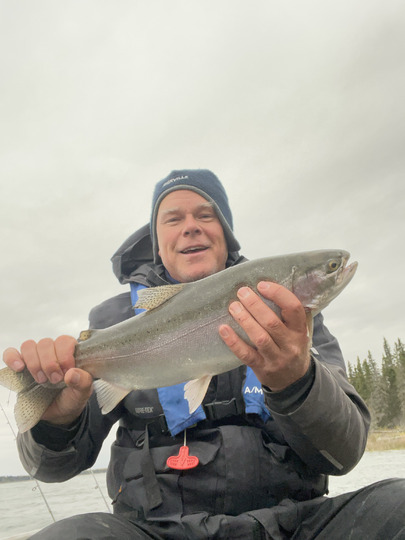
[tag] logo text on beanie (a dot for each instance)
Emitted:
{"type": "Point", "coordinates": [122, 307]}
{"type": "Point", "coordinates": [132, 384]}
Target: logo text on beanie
{"type": "Point", "coordinates": [175, 180]}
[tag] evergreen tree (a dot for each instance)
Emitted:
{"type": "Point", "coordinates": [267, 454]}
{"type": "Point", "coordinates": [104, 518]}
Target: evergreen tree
{"type": "Point", "coordinates": [350, 374]}
{"type": "Point", "coordinates": [368, 381]}
{"type": "Point", "coordinates": [383, 389]}
{"type": "Point", "coordinates": [378, 406]}
{"type": "Point", "coordinates": [392, 412]}
{"type": "Point", "coordinates": [378, 395]}
{"type": "Point", "coordinates": [399, 356]}
{"type": "Point", "coordinates": [360, 379]}
{"type": "Point", "coordinates": [356, 377]}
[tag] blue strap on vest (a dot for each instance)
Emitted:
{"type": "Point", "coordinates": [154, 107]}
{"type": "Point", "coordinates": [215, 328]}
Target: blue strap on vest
{"type": "Point", "coordinates": [253, 396]}
{"type": "Point", "coordinates": [135, 288]}
{"type": "Point", "coordinates": [175, 406]}
{"type": "Point", "coordinates": [176, 409]}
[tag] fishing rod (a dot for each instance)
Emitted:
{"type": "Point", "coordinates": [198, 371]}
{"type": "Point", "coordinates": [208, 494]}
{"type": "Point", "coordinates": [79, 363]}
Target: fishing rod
{"type": "Point", "coordinates": [32, 478]}
{"type": "Point", "coordinates": [101, 491]}
{"type": "Point", "coordinates": [39, 486]}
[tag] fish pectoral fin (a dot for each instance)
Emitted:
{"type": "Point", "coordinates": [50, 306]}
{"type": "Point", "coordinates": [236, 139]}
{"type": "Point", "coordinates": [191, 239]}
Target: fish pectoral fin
{"type": "Point", "coordinates": [310, 328]}
{"type": "Point", "coordinates": [195, 390]}
{"type": "Point", "coordinates": [109, 395]}
{"type": "Point", "coordinates": [156, 296]}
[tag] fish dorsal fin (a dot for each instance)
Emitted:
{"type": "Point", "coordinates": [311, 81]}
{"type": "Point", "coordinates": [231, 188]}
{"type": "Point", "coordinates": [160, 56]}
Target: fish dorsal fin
{"type": "Point", "coordinates": [108, 395]}
{"type": "Point", "coordinates": [155, 296]}
{"type": "Point", "coordinates": [85, 335]}
{"type": "Point", "coordinates": [195, 390]}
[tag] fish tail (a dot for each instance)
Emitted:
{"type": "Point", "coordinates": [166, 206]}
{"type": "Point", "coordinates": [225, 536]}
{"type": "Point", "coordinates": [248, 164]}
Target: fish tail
{"type": "Point", "coordinates": [31, 405]}
{"type": "Point", "coordinates": [32, 398]}
{"type": "Point", "coordinates": [16, 381]}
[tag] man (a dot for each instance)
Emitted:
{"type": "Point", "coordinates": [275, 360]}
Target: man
{"type": "Point", "coordinates": [260, 474]}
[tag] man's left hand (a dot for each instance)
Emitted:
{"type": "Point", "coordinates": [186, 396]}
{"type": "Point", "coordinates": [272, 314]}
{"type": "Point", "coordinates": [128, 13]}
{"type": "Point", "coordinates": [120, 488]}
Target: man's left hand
{"type": "Point", "coordinates": [280, 352]}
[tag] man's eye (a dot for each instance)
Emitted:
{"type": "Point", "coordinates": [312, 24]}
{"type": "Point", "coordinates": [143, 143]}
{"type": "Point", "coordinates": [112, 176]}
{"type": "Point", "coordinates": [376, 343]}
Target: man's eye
{"type": "Point", "coordinates": [172, 220]}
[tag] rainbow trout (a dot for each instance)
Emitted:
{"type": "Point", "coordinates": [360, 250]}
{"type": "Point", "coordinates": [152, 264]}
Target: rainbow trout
{"type": "Point", "coordinates": [177, 339]}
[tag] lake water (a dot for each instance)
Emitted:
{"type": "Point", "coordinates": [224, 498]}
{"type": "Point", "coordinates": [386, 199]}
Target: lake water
{"type": "Point", "coordinates": [22, 507]}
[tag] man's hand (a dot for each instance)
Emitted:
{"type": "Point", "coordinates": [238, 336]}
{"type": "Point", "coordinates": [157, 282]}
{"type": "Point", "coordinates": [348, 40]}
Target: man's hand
{"type": "Point", "coordinates": [280, 355]}
{"type": "Point", "coordinates": [53, 360]}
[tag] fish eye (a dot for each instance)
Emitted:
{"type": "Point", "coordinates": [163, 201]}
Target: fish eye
{"type": "Point", "coordinates": [333, 265]}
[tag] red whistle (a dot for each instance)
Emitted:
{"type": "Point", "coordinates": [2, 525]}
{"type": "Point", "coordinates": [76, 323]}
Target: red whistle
{"type": "Point", "coordinates": [183, 461]}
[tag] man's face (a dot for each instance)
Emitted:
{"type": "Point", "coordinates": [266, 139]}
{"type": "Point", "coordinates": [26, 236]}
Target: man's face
{"type": "Point", "coordinates": [191, 240]}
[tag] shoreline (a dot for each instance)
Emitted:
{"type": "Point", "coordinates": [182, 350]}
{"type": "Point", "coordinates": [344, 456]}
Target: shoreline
{"type": "Point", "coordinates": [378, 441]}
{"type": "Point", "coordinates": [387, 439]}
{"type": "Point", "coordinates": [26, 477]}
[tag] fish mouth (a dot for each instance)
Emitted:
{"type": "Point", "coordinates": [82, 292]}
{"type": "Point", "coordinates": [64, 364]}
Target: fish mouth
{"type": "Point", "coordinates": [347, 271]}
{"type": "Point", "coordinates": [333, 284]}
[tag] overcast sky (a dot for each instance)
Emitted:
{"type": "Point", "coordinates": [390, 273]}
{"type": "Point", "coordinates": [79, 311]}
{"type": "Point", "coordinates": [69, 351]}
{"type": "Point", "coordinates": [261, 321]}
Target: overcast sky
{"type": "Point", "coordinates": [298, 107]}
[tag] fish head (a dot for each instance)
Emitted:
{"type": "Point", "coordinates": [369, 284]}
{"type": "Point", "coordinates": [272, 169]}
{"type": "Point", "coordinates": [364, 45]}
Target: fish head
{"type": "Point", "coordinates": [322, 278]}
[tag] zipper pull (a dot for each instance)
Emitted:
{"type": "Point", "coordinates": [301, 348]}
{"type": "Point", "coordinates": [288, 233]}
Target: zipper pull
{"type": "Point", "coordinates": [183, 460]}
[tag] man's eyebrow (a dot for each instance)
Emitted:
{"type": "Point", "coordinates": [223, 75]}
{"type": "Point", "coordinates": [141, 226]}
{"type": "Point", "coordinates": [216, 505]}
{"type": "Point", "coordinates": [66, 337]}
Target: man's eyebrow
{"type": "Point", "coordinates": [170, 211]}
{"type": "Point", "coordinates": [177, 209]}
{"type": "Point", "coordinates": [206, 205]}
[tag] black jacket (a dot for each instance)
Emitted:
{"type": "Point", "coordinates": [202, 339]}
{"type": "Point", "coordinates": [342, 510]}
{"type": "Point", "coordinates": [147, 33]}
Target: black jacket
{"type": "Point", "coordinates": [318, 426]}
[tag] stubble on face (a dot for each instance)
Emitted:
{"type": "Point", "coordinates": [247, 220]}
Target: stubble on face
{"type": "Point", "coordinates": [191, 240]}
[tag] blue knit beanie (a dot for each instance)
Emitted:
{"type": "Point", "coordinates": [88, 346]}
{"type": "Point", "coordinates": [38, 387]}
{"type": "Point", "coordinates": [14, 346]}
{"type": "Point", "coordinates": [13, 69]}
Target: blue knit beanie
{"type": "Point", "coordinates": [206, 184]}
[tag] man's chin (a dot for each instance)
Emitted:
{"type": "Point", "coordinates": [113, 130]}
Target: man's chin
{"type": "Point", "coordinates": [198, 274]}
{"type": "Point", "coordinates": [196, 277]}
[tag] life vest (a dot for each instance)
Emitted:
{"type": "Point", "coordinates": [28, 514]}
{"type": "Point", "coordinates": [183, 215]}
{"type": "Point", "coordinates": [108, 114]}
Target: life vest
{"type": "Point", "coordinates": [175, 406]}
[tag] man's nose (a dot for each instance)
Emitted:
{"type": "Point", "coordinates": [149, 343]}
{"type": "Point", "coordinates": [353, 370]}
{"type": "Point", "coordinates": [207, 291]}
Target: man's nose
{"type": "Point", "coordinates": [191, 225]}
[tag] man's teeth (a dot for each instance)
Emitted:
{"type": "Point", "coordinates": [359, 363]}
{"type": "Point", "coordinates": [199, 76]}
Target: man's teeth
{"type": "Point", "coordinates": [189, 250]}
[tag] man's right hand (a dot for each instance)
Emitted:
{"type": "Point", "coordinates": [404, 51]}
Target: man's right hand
{"type": "Point", "coordinates": [53, 360]}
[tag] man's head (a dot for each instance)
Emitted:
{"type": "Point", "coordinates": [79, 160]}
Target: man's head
{"type": "Point", "coordinates": [191, 224]}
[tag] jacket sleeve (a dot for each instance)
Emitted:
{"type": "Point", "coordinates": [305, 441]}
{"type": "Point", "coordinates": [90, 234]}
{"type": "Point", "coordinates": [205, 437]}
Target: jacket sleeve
{"type": "Point", "coordinates": [327, 427]}
{"type": "Point", "coordinates": [55, 454]}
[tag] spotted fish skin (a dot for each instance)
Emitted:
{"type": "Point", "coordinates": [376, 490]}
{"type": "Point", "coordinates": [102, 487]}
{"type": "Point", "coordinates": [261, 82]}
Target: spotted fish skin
{"type": "Point", "coordinates": [177, 339]}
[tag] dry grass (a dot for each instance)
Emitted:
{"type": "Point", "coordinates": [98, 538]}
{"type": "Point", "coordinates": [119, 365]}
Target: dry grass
{"type": "Point", "coordinates": [386, 440]}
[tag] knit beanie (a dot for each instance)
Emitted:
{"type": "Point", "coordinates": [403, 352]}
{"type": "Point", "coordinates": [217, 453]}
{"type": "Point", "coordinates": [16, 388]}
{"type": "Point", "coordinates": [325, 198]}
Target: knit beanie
{"type": "Point", "coordinates": [206, 184]}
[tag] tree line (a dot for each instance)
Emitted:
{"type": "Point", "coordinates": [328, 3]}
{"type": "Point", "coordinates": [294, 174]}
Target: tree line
{"type": "Point", "coordinates": [382, 387]}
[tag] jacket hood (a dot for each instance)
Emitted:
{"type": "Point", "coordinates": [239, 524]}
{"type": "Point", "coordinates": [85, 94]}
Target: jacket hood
{"type": "Point", "coordinates": [133, 260]}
